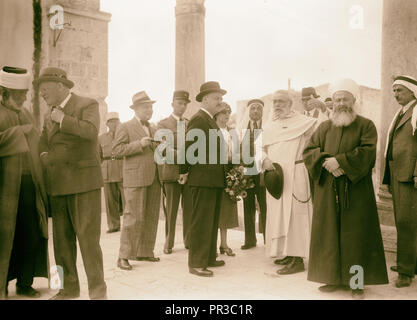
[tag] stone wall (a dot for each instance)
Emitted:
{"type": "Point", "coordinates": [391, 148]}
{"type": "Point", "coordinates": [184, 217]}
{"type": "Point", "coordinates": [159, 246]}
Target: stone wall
{"type": "Point", "coordinates": [81, 49]}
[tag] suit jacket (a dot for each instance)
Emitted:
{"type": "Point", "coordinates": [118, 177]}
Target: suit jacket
{"type": "Point", "coordinates": [72, 163]}
{"type": "Point", "coordinates": [170, 172]}
{"type": "Point", "coordinates": [111, 166]}
{"type": "Point", "coordinates": [139, 168]}
{"type": "Point", "coordinates": [404, 152]}
{"type": "Point", "coordinates": [204, 174]}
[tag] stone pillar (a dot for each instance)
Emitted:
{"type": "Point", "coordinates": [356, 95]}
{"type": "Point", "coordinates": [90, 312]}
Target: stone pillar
{"type": "Point", "coordinates": [81, 48]}
{"type": "Point", "coordinates": [190, 49]}
{"type": "Point", "coordinates": [399, 45]}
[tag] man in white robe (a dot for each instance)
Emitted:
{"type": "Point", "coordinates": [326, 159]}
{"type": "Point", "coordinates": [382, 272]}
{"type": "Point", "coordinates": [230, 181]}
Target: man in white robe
{"type": "Point", "coordinates": [289, 220]}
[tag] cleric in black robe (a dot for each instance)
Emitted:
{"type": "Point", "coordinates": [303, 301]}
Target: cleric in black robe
{"type": "Point", "coordinates": [345, 231]}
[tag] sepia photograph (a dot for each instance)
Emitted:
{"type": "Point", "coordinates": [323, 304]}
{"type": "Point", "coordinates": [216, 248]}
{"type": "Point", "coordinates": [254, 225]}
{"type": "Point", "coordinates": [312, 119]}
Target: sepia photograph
{"type": "Point", "coordinates": [228, 151]}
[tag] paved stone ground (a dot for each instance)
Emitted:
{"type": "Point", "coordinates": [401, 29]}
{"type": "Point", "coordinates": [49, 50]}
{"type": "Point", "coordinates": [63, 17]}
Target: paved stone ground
{"type": "Point", "coordinates": [247, 276]}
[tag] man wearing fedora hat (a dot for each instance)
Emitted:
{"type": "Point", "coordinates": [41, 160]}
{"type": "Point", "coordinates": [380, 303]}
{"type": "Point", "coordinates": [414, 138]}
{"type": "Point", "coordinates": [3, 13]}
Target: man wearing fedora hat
{"type": "Point", "coordinates": [207, 181]}
{"type": "Point", "coordinates": [289, 216]}
{"type": "Point", "coordinates": [307, 96]}
{"type": "Point", "coordinates": [69, 152]}
{"type": "Point", "coordinates": [142, 189]}
{"type": "Point", "coordinates": [112, 170]}
{"type": "Point", "coordinates": [169, 175]}
{"type": "Point", "coordinates": [23, 199]}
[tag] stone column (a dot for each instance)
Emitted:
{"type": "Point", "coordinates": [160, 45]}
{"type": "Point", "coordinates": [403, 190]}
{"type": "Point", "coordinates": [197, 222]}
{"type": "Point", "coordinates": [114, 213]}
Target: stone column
{"type": "Point", "coordinates": [399, 47]}
{"type": "Point", "coordinates": [190, 49]}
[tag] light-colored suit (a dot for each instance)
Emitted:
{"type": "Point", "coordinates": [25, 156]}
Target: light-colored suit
{"type": "Point", "coordinates": [142, 190]}
{"type": "Point", "coordinates": [173, 191]}
{"type": "Point", "coordinates": [399, 173]}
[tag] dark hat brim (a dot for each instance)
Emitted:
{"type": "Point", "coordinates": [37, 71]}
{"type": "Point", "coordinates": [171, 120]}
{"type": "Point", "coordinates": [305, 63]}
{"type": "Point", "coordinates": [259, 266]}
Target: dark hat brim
{"type": "Point", "coordinates": [203, 93]}
{"type": "Point", "coordinates": [184, 99]}
{"type": "Point", "coordinates": [41, 79]}
{"type": "Point", "coordinates": [274, 181]}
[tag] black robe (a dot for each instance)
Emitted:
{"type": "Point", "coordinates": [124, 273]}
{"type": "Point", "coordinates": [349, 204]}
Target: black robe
{"type": "Point", "coordinates": [345, 229]}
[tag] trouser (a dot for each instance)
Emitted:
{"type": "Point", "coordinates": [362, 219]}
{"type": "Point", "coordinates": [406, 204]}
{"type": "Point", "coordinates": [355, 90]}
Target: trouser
{"type": "Point", "coordinates": [204, 226]}
{"type": "Point", "coordinates": [140, 221]}
{"type": "Point", "coordinates": [113, 192]}
{"type": "Point", "coordinates": [78, 216]}
{"type": "Point", "coordinates": [249, 211]}
{"type": "Point", "coordinates": [173, 191]}
{"type": "Point", "coordinates": [405, 211]}
{"type": "Point", "coordinates": [27, 237]}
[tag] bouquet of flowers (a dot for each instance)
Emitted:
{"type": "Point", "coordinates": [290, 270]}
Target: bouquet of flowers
{"type": "Point", "coordinates": [237, 183]}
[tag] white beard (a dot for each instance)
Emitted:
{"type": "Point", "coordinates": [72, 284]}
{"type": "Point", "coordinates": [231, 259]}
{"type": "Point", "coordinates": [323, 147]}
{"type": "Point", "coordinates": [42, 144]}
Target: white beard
{"type": "Point", "coordinates": [342, 119]}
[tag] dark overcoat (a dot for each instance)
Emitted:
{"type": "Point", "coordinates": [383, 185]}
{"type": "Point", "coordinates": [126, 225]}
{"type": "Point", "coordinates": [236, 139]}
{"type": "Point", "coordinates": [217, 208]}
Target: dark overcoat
{"type": "Point", "coordinates": [345, 228]}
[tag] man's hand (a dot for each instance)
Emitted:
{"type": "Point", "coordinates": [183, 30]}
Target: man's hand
{"type": "Point", "coordinates": [331, 164]}
{"type": "Point", "coordinates": [57, 115]}
{"type": "Point", "coordinates": [26, 128]}
{"type": "Point", "coordinates": [268, 164]}
{"type": "Point", "coordinates": [338, 172]}
{"type": "Point", "coordinates": [415, 182]}
{"type": "Point", "coordinates": [43, 157]}
{"type": "Point", "coordinates": [146, 141]}
{"type": "Point", "coordinates": [316, 104]}
{"type": "Point", "coordinates": [183, 178]}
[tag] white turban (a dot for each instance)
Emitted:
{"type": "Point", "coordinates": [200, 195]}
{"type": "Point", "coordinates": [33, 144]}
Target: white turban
{"type": "Point", "coordinates": [411, 84]}
{"type": "Point", "coordinates": [344, 85]}
{"type": "Point", "coordinates": [18, 81]}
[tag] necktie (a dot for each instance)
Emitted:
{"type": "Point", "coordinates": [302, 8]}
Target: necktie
{"type": "Point", "coordinates": [144, 123]}
{"type": "Point", "coordinates": [255, 125]}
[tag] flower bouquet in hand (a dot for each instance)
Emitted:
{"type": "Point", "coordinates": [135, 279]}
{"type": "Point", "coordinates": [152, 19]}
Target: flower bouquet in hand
{"type": "Point", "coordinates": [237, 183]}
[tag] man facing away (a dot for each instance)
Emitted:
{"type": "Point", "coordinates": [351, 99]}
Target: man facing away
{"type": "Point", "coordinates": [112, 170]}
{"type": "Point", "coordinates": [23, 199]}
{"type": "Point", "coordinates": [141, 185]}
{"type": "Point", "coordinates": [288, 225]}
{"type": "Point", "coordinates": [207, 182]}
{"type": "Point", "coordinates": [69, 152]}
{"type": "Point", "coordinates": [346, 232]}
{"type": "Point", "coordinates": [169, 175]}
{"type": "Point", "coordinates": [401, 177]}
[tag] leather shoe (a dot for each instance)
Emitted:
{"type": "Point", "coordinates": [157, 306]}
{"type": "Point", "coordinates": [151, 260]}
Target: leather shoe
{"type": "Point", "coordinates": [124, 264]}
{"type": "Point", "coordinates": [167, 251]}
{"type": "Point", "coordinates": [217, 263]}
{"type": "Point", "coordinates": [295, 266]}
{"type": "Point", "coordinates": [61, 295]}
{"type": "Point", "coordinates": [329, 288]}
{"type": "Point", "coordinates": [247, 246]}
{"type": "Point", "coordinates": [358, 294]}
{"type": "Point", "coordinates": [150, 259]}
{"type": "Point", "coordinates": [403, 281]}
{"type": "Point", "coordinates": [113, 230]}
{"type": "Point", "coordinates": [202, 273]}
{"type": "Point", "coordinates": [27, 292]}
{"type": "Point", "coordinates": [283, 261]}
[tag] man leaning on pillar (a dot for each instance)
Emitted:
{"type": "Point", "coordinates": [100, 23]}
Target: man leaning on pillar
{"type": "Point", "coordinates": [401, 177]}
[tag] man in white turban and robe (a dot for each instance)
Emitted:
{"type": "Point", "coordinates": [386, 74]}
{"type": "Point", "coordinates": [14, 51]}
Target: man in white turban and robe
{"type": "Point", "coordinates": [289, 218]}
{"type": "Point", "coordinates": [345, 232]}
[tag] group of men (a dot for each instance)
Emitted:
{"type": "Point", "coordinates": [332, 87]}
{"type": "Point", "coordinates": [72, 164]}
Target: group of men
{"type": "Point", "coordinates": [326, 212]}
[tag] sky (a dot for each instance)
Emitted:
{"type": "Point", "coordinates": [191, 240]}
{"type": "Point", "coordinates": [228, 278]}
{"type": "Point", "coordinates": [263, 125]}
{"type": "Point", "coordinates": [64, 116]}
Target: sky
{"type": "Point", "coordinates": [252, 47]}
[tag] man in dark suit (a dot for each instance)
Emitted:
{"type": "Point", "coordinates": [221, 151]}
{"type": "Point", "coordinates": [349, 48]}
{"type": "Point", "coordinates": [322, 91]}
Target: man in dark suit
{"type": "Point", "coordinates": [401, 177]}
{"type": "Point", "coordinates": [112, 170]}
{"type": "Point", "coordinates": [69, 151]}
{"type": "Point", "coordinates": [169, 174]}
{"type": "Point", "coordinates": [307, 94]}
{"type": "Point", "coordinates": [141, 185]}
{"type": "Point", "coordinates": [207, 181]}
{"type": "Point", "coordinates": [258, 192]}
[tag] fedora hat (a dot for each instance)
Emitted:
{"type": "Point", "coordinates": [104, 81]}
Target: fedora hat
{"type": "Point", "coordinates": [140, 98]}
{"type": "Point", "coordinates": [274, 181]}
{"type": "Point", "coordinates": [209, 87]}
{"type": "Point", "coordinates": [112, 115]}
{"type": "Point", "coordinates": [181, 95]}
{"type": "Point", "coordinates": [307, 92]}
{"type": "Point", "coordinates": [53, 74]}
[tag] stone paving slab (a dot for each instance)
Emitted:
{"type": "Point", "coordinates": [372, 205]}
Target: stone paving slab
{"type": "Point", "coordinates": [250, 275]}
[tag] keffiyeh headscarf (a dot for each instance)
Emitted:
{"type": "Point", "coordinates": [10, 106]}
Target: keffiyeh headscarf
{"type": "Point", "coordinates": [411, 84]}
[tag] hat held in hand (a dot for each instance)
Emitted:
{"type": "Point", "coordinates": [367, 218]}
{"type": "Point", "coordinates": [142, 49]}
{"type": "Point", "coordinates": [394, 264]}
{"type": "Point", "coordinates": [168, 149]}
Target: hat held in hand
{"type": "Point", "coordinates": [274, 181]}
